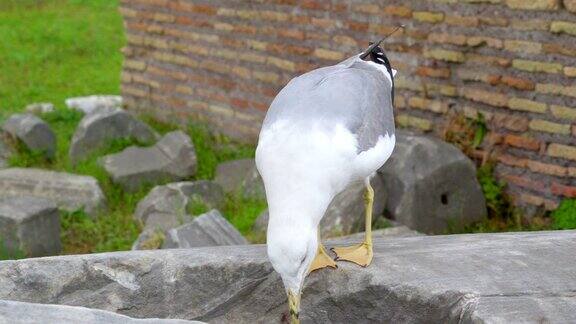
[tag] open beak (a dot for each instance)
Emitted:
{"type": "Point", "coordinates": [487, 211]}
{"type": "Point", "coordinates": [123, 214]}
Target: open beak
{"type": "Point", "coordinates": [294, 305]}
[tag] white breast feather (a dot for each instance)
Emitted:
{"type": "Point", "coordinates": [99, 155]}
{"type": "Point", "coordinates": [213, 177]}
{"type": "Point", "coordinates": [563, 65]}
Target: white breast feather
{"type": "Point", "coordinates": [299, 163]}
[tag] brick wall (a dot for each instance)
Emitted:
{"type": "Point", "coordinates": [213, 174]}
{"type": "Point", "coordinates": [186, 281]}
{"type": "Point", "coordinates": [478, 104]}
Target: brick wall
{"type": "Point", "coordinates": [512, 60]}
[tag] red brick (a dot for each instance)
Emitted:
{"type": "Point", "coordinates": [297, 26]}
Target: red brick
{"type": "Point", "coordinates": [563, 190]}
{"type": "Point", "coordinates": [303, 20]}
{"type": "Point", "coordinates": [465, 21]}
{"type": "Point", "coordinates": [447, 38]}
{"type": "Point", "coordinates": [181, 6]}
{"type": "Point", "coordinates": [182, 20]}
{"type": "Point", "coordinates": [526, 182]}
{"type": "Point", "coordinates": [538, 201]}
{"type": "Point", "coordinates": [323, 23]}
{"type": "Point", "coordinates": [283, 48]}
{"type": "Point", "coordinates": [315, 5]}
{"type": "Point", "coordinates": [433, 72]}
{"type": "Point", "coordinates": [562, 49]}
{"type": "Point", "coordinates": [522, 142]}
{"type": "Point", "coordinates": [245, 29]}
{"type": "Point", "coordinates": [291, 33]}
{"type": "Point", "coordinates": [305, 67]}
{"type": "Point", "coordinates": [416, 34]}
{"type": "Point", "coordinates": [340, 7]}
{"type": "Point", "coordinates": [547, 168]}
{"type": "Point", "coordinates": [400, 11]}
{"type": "Point", "coordinates": [261, 106]}
{"type": "Point", "coordinates": [488, 97]}
{"type": "Point", "coordinates": [518, 83]}
{"type": "Point", "coordinates": [512, 160]}
{"type": "Point", "coordinates": [486, 59]}
{"type": "Point", "coordinates": [493, 79]}
{"type": "Point", "coordinates": [239, 103]}
{"type": "Point", "coordinates": [494, 21]}
{"type": "Point", "coordinates": [357, 26]}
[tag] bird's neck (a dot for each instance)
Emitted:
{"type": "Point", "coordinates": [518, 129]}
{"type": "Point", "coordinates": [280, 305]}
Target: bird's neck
{"type": "Point", "coordinates": [303, 205]}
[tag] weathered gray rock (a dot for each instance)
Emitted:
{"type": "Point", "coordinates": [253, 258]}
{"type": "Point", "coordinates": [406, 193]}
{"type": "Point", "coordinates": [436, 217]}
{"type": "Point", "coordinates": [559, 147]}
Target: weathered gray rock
{"type": "Point", "coordinates": [68, 191]}
{"type": "Point", "coordinates": [431, 185]}
{"type": "Point", "coordinates": [173, 158]}
{"type": "Point", "coordinates": [346, 212]}
{"type": "Point", "coordinates": [210, 229]}
{"type": "Point", "coordinates": [29, 313]}
{"type": "Point", "coordinates": [395, 231]}
{"type": "Point", "coordinates": [29, 225]}
{"type": "Point", "coordinates": [91, 104]}
{"type": "Point", "coordinates": [481, 278]}
{"type": "Point", "coordinates": [39, 108]}
{"type": "Point", "coordinates": [261, 223]}
{"type": "Point", "coordinates": [240, 177]}
{"type": "Point", "coordinates": [5, 152]}
{"type": "Point", "coordinates": [33, 132]}
{"type": "Point", "coordinates": [174, 198]}
{"type": "Point", "coordinates": [99, 128]}
{"type": "Point", "coordinates": [170, 206]}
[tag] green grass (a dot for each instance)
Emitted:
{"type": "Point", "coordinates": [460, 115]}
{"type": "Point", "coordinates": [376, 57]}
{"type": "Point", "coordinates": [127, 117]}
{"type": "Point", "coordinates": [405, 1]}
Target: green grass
{"type": "Point", "coordinates": [51, 50]}
{"type": "Point", "coordinates": [564, 217]}
{"type": "Point", "coordinates": [242, 211]}
{"type": "Point", "coordinates": [496, 200]}
{"type": "Point", "coordinates": [10, 254]}
{"type": "Point", "coordinates": [213, 149]}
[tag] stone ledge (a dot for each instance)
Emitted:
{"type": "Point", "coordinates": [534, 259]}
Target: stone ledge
{"type": "Point", "coordinates": [513, 277]}
{"type": "Point", "coordinates": [28, 313]}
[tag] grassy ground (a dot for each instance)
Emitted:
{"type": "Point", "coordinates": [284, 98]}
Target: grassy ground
{"type": "Point", "coordinates": [54, 49]}
{"type": "Point", "coordinates": [116, 230]}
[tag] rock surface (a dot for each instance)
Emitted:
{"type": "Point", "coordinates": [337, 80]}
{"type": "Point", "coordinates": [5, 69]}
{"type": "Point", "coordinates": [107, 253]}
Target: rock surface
{"type": "Point", "coordinates": [99, 128]}
{"type": "Point", "coordinates": [346, 213]}
{"type": "Point", "coordinates": [5, 152]}
{"type": "Point", "coordinates": [91, 104]}
{"type": "Point", "coordinates": [210, 229]}
{"type": "Point", "coordinates": [39, 108]}
{"type": "Point", "coordinates": [29, 225]}
{"type": "Point", "coordinates": [29, 313]}
{"type": "Point", "coordinates": [33, 132]}
{"type": "Point", "coordinates": [240, 176]}
{"type": "Point", "coordinates": [480, 278]}
{"type": "Point", "coordinates": [395, 231]}
{"type": "Point", "coordinates": [174, 198]}
{"type": "Point", "coordinates": [68, 191]}
{"type": "Point", "coordinates": [431, 185]}
{"type": "Point", "coordinates": [171, 205]}
{"type": "Point", "coordinates": [173, 158]}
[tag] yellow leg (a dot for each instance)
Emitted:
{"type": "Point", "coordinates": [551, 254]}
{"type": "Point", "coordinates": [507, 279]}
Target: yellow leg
{"type": "Point", "coordinates": [322, 259]}
{"type": "Point", "coordinates": [360, 254]}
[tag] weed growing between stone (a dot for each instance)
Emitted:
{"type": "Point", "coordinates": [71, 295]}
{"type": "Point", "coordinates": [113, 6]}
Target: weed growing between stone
{"type": "Point", "coordinates": [564, 216]}
{"type": "Point", "coordinates": [242, 213]}
{"type": "Point", "coordinates": [468, 134]}
{"type": "Point", "coordinates": [6, 254]}
{"type": "Point", "coordinates": [502, 215]}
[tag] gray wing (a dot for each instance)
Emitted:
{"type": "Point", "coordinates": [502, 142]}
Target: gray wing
{"type": "Point", "coordinates": [355, 95]}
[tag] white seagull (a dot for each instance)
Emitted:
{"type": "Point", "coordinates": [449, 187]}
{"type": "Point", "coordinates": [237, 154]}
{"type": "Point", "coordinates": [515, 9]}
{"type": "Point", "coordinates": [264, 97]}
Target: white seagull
{"type": "Point", "coordinates": [324, 130]}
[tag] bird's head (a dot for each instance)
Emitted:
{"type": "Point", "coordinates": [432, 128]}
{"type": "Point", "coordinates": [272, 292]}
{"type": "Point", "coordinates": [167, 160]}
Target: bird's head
{"type": "Point", "coordinates": [291, 250]}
